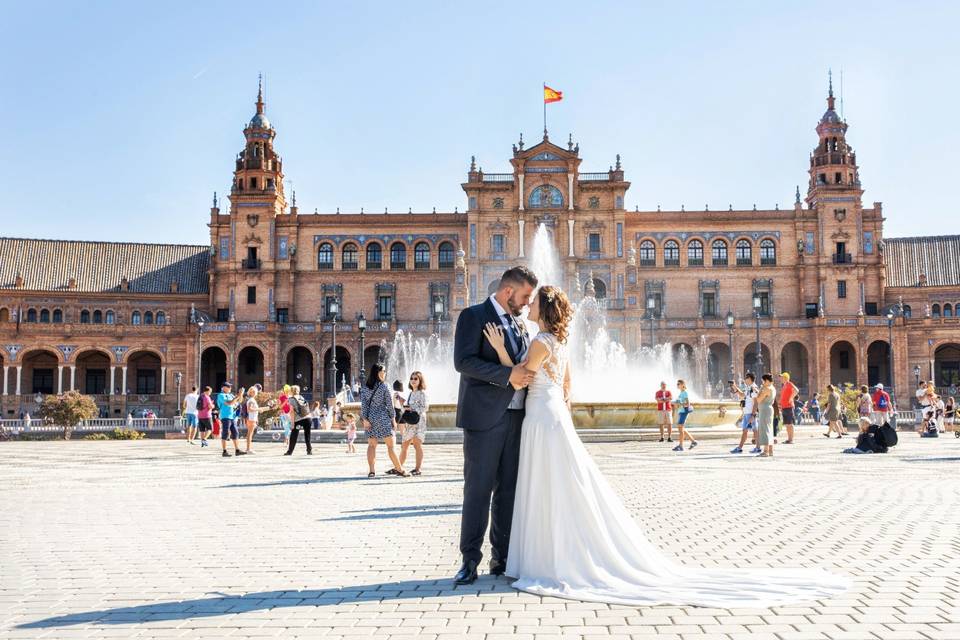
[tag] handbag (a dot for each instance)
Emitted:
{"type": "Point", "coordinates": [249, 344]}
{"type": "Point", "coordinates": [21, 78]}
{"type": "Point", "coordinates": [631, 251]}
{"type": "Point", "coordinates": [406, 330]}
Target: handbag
{"type": "Point", "coordinates": [409, 416]}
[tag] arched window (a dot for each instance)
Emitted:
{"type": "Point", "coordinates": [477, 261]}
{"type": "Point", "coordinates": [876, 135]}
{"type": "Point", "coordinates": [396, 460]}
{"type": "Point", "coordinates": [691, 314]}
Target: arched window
{"type": "Point", "coordinates": [325, 256]}
{"type": "Point", "coordinates": [84, 317]}
{"type": "Point", "coordinates": [446, 255]}
{"type": "Point", "coordinates": [57, 316]}
{"type": "Point", "coordinates": [97, 317]}
{"type": "Point", "coordinates": [148, 317]}
{"type": "Point", "coordinates": [31, 315]}
{"type": "Point", "coordinates": [350, 256]}
{"type": "Point", "coordinates": [768, 252]}
{"type": "Point", "coordinates": [4, 315]}
{"type": "Point", "coordinates": [599, 289]}
{"type": "Point", "coordinates": [948, 310]}
{"type": "Point", "coordinates": [161, 317]}
{"type": "Point", "coordinates": [719, 253]}
{"type": "Point", "coordinates": [671, 253]}
{"type": "Point", "coordinates": [45, 315]}
{"type": "Point", "coordinates": [398, 256]}
{"type": "Point", "coordinates": [546, 197]}
{"type": "Point", "coordinates": [648, 254]}
{"type": "Point", "coordinates": [374, 256]}
{"type": "Point", "coordinates": [695, 253]}
{"type": "Point", "coordinates": [421, 256]}
{"type": "Point", "coordinates": [135, 317]}
{"type": "Point", "coordinates": [907, 311]}
{"type": "Point", "coordinates": [744, 253]}
{"type": "Point", "coordinates": [110, 317]}
{"type": "Point", "coordinates": [936, 311]}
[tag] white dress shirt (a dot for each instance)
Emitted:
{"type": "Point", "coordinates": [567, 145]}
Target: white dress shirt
{"type": "Point", "coordinates": [519, 395]}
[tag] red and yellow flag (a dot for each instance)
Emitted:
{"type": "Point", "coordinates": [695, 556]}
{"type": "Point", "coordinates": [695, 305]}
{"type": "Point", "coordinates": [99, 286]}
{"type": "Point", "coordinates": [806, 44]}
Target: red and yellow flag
{"type": "Point", "coordinates": [551, 95]}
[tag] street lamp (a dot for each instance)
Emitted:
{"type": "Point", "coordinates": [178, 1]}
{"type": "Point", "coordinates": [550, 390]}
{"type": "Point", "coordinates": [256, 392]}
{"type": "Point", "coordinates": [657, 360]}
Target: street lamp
{"type": "Point", "coordinates": [730, 322]}
{"type": "Point", "coordinates": [199, 354]}
{"type": "Point", "coordinates": [362, 326]}
{"type": "Point", "coordinates": [756, 313]}
{"type": "Point", "coordinates": [438, 313]}
{"type": "Point", "coordinates": [334, 310]}
{"type": "Point", "coordinates": [178, 376]}
{"type": "Point", "coordinates": [916, 375]}
{"type": "Point", "coordinates": [651, 305]}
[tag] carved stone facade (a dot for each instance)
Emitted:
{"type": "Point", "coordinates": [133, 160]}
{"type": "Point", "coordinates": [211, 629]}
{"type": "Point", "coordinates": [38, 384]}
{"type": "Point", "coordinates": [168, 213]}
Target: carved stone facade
{"type": "Point", "coordinates": [272, 281]}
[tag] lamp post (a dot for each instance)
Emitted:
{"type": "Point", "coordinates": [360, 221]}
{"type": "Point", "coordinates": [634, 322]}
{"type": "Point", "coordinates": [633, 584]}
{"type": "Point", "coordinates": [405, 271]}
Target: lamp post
{"type": "Point", "coordinates": [651, 305]}
{"type": "Point", "coordinates": [916, 375]}
{"type": "Point", "coordinates": [438, 313]}
{"type": "Point", "coordinates": [334, 310]}
{"type": "Point", "coordinates": [362, 326]}
{"type": "Point", "coordinates": [199, 354]}
{"type": "Point", "coordinates": [179, 378]}
{"type": "Point", "coordinates": [730, 322]}
{"type": "Point", "coordinates": [756, 313]}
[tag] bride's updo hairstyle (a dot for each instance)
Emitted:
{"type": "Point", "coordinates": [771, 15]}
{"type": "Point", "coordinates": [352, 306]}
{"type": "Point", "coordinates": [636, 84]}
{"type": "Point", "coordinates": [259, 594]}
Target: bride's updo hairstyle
{"type": "Point", "coordinates": [556, 312]}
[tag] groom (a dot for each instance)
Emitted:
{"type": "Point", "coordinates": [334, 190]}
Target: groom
{"type": "Point", "coordinates": [490, 412]}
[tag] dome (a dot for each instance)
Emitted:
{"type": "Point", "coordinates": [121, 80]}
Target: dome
{"type": "Point", "coordinates": [830, 116]}
{"type": "Point", "coordinates": [260, 120]}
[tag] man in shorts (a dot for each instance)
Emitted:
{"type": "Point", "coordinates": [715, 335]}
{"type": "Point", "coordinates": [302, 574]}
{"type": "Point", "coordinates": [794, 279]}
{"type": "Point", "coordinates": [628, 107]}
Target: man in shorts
{"type": "Point", "coordinates": [227, 405]}
{"type": "Point", "coordinates": [190, 413]}
{"type": "Point", "coordinates": [665, 411]}
{"type": "Point", "coordinates": [788, 394]}
{"type": "Point", "coordinates": [747, 396]}
{"type": "Point", "coordinates": [204, 415]}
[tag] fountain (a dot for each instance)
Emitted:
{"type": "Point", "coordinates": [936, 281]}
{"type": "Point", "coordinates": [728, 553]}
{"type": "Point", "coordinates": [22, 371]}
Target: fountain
{"type": "Point", "coordinates": [611, 387]}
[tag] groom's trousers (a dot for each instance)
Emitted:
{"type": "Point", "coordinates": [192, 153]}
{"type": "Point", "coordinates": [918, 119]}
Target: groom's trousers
{"type": "Point", "coordinates": [491, 460]}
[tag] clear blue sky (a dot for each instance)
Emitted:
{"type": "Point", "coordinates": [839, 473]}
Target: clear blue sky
{"type": "Point", "coordinates": [121, 119]}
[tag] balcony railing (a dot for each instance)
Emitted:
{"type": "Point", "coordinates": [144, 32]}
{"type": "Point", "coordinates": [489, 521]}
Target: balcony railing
{"type": "Point", "coordinates": [671, 262]}
{"type": "Point", "coordinates": [325, 266]}
{"type": "Point", "coordinates": [842, 258]}
{"type": "Point", "coordinates": [421, 266]}
{"type": "Point", "coordinates": [744, 262]}
{"type": "Point", "coordinates": [720, 262]}
{"type": "Point", "coordinates": [349, 266]}
{"type": "Point", "coordinates": [594, 177]}
{"type": "Point", "coordinates": [498, 177]}
{"type": "Point", "coordinates": [768, 262]}
{"type": "Point", "coordinates": [374, 266]}
{"type": "Point", "coordinates": [398, 266]}
{"type": "Point", "coordinates": [694, 262]}
{"type": "Point", "coordinates": [446, 266]}
{"type": "Point", "coordinates": [252, 264]}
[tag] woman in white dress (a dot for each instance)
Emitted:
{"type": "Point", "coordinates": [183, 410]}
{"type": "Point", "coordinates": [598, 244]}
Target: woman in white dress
{"type": "Point", "coordinates": [571, 535]}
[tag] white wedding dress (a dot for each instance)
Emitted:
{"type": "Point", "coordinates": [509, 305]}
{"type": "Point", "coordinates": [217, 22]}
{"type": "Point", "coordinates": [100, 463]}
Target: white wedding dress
{"type": "Point", "coordinates": [572, 537]}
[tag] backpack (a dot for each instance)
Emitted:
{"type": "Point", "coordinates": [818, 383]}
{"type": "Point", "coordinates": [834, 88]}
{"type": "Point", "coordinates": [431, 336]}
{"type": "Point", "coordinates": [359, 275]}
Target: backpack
{"type": "Point", "coordinates": [887, 435]}
{"type": "Point", "coordinates": [882, 401]}
{"type": "Point", "coordinates": [243, 410]}
{"type": "Point", "coordinates": [300, 407]}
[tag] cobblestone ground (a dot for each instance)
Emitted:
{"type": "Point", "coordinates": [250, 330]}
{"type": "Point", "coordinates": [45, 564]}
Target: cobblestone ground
{"type": "Point", "coordinates": [158, 539]}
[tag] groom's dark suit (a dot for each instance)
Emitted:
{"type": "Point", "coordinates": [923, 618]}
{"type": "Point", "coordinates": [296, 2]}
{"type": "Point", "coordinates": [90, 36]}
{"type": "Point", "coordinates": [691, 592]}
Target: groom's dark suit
{"type": "Point", "coordinates": [491, 433]}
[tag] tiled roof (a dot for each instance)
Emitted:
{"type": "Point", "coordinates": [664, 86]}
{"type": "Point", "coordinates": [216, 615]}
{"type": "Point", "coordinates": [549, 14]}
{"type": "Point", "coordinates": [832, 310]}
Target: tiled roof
{"type": "Point", "coordinates": [48, 265]}
{"type": "Point", "coordinates": [937, 257]}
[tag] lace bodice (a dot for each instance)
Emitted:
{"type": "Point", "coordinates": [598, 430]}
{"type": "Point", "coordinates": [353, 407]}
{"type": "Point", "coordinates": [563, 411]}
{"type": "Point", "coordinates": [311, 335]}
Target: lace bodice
{"type": "Point", "coordinates": [554, 367]}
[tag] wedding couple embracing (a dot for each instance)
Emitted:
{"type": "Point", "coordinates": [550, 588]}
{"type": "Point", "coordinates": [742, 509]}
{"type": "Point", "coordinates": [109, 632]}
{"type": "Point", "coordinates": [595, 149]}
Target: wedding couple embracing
{"type": "Point", "coordinates": [556, 525]}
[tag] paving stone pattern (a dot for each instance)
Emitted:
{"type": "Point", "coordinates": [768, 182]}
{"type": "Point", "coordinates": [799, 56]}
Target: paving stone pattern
{"type": "Point", "coordinates": [157, 539]}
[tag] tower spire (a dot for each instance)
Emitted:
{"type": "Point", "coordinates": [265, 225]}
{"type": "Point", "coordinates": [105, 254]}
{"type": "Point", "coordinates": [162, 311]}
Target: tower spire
{"type": "Point", "coordinates": [260, 94]}
{"type": "Point", "coordinates": [830, 93]}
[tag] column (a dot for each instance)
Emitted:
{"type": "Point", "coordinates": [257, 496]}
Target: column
{"type": "Point", "coordinates": [570, 191]}
{"type": "Point", "coordinates": [163, 380]}
{"type": "Point", "coordinates": [73, 377]}
{"type": "Point", "coordinates": [520, 224]}
{"type": "Point", "coordinates": [113, 371]}
{"type": "Point", "coordinates": [6, 372]}
{"type": "Point", "coordinates": [520, 195]}
{"type": "Point", "coordinates": [123, 380]}
{"type": "Point", "coordinates": [570, 252]}
{"type": "Point", "coordinates": [59, 378]}
{"type": "Point", "coordinates": [19, 369]}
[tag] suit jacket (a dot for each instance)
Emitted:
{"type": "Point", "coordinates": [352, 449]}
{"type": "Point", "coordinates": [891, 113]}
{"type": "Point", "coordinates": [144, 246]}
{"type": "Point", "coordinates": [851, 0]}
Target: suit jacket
{"type": "Point", "coordinates": [485, 390]}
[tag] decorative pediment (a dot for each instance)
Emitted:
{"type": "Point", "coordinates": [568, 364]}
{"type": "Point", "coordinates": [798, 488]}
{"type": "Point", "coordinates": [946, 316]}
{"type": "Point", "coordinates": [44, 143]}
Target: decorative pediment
{"type": "Point", "coordinates": [251, 239]}
{"type": "Point", "coordinates": [840, 235]}
{"type": "Point", "coordinates": [594, 224]}
{"type": "Point", "coordinates": [498, 225]}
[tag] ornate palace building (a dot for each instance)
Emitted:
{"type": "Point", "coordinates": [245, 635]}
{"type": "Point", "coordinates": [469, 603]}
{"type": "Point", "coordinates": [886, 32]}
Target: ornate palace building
{"type": "Point", "coordinates": [273, 290]}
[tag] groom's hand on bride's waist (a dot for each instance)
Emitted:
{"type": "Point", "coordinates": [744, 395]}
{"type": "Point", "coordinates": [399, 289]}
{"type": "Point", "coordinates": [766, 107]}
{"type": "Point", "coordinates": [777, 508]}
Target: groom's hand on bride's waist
{"type": "Point", "coordinates": [520, 377]}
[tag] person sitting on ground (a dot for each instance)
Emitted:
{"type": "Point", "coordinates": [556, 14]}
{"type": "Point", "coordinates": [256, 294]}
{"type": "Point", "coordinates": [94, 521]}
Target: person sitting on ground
{"type": "Point", "coordinates": [869, 440]}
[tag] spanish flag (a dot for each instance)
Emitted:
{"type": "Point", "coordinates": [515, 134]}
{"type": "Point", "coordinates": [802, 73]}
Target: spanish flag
{"type": "Point", "coordinates": [551, 95]}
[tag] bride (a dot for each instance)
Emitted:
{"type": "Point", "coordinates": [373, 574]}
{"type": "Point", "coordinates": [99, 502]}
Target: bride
{"type": "Point", "coordinates": [572, 537]}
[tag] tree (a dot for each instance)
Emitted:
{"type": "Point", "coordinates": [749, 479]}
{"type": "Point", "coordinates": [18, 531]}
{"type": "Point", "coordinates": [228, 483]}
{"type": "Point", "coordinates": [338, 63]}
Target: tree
{"type": "Point", "coordinates": [68, 410]}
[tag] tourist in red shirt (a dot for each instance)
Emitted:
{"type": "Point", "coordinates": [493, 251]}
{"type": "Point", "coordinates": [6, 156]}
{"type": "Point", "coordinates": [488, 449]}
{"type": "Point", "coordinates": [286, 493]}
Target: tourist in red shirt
{"type": "Point", "coordinates": [788, 396]}
{"type": "Point", "coordinates": [882, 405]}
{"type": "Point", "coordinates": [665, 411]}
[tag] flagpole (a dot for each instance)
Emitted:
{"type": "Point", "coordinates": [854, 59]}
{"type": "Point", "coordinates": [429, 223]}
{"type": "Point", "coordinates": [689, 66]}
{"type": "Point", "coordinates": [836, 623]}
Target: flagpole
{"type": "Point", "coordinates": [544, 109]}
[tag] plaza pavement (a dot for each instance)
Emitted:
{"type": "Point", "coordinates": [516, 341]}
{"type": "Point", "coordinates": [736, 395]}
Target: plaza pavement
{"type": "Point", "coordinates": [157, 539]}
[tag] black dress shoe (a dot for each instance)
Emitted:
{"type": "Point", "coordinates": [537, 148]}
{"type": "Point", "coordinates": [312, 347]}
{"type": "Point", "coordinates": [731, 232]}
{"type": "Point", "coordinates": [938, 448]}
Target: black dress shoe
{"type": "Point", "coordinates": [498, 567]}
{"type": "Point", "coordinates": [467, 573]}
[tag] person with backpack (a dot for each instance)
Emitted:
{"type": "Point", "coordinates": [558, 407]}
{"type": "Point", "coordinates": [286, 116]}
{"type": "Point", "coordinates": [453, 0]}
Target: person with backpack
{"type": "Point", "coordinates": [871, 438]}
{"type": "Point", "coordinates": [227, 406]}
{"type": "Point", "coordinates": [302, 419]}
{"type": "Point", "coordinates": [882, 405]}
{"type": "Point", "coordinates": [204, 419]}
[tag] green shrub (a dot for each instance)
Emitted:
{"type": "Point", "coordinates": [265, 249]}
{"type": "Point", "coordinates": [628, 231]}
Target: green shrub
{"type": "Point", "coordinates": [96, 436]}
{"type": "Point", "coordinates": [127, 434]}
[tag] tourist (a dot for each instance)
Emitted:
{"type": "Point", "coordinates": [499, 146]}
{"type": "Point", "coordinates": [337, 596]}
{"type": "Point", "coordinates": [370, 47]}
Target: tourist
{"type": "Point", "coordinates": [922, 402]}
{"type": "Point", "coordinates": [315, 416]}
{"type": "Point", "coordinates": [747, 396]}
{"type": "Point", "coordinates": [788, 397]}
{"type": "Point", "coordinates": [763, 410]}
{"type": "Point", "coordinates": [27, 420]}
{"type": "Point", "coordinates": [283, 413]}
{"type": "Point", "coordinates": [227, 407]}
{"type": "Point", "coordinates": [665, 411]}
{"type": "Point", "coordinates": [949, 413]}
{"type": "Point", "coordinates": [864, 403]}
{"type": "Point", "coordinates": [833, 413]}
{"type": "Point", "coordinates": [129, 420]}
{"type": "Point", "coordinates": [868, 440]}
{"type": "Point", "coordinates": [398, 399]}
{"type": "Point", "coordinates": [415, 432]}
{"type": "Point", "coordinates": [204, 406]}
{"type": "Point", "coordinates": [379, 419]}
{"type": "Point", "coordinates": [683, 400]}
{"type": "Point", "coordinates": [882, 405]}
{"type": "Point", "coordinates": [813, 407]}
{"type": "Point", "coordinates": [300, 414]}
{"type": "Point", "coordinates": [351, 426]}
{"type": "Point", "coordinates": [190, 412]}
{"type": "Point", "coordinates": [251, 415]}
